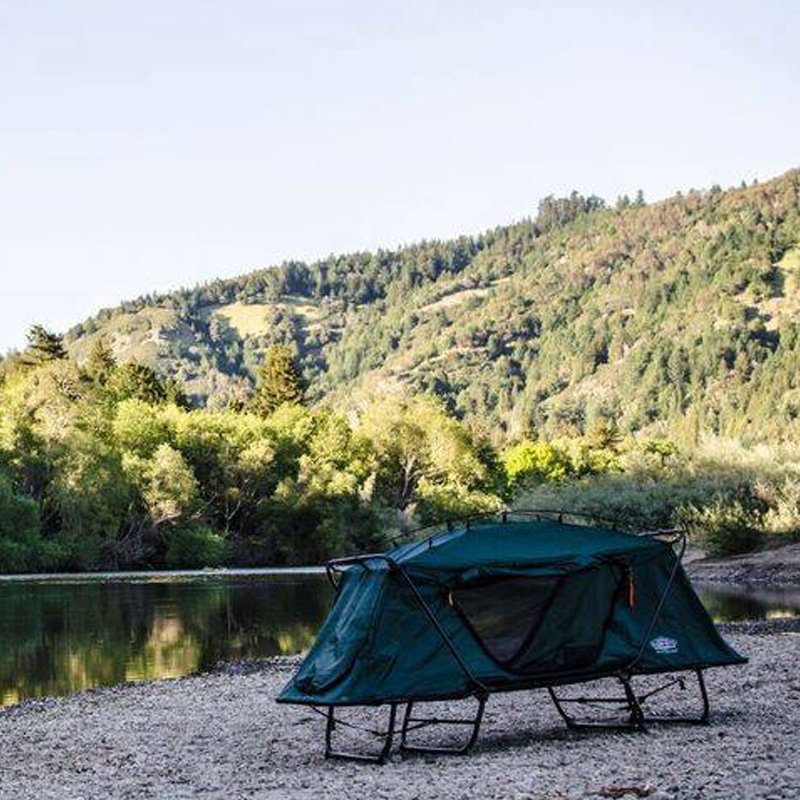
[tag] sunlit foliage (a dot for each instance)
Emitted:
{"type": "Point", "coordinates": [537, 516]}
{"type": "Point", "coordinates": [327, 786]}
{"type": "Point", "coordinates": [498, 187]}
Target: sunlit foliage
{"type": "Point", "coordinates": [101, 467]}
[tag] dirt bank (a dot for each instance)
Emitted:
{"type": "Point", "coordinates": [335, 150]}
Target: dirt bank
{"type": "Point", "coordinates": [778, 566]}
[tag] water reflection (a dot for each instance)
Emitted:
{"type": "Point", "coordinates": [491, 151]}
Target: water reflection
{"type": "Point", "coordinates": [740, 603]}
{"type": "Point", "coordinates": [59, 637]}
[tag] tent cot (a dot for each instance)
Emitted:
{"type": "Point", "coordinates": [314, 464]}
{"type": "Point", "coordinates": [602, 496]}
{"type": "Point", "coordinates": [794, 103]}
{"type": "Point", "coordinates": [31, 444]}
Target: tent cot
{"type": "Point", "coordinates": [522, 601]}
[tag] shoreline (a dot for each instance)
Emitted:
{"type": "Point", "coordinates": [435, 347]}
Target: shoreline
{"type": "Point", "coordinates": [156, 575]}
{"type": "Point", "coordinates": [221, 735]}
{"type": "Point", "coordinates": [779, 566]}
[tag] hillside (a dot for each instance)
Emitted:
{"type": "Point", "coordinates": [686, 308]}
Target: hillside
{"type": "Point", "coordinates": [679, 316]}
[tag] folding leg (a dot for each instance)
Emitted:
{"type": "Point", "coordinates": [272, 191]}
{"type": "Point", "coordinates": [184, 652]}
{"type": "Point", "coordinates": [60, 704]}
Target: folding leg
{"type": "Point", "coordinates": [628, 704]}
{"type": "Point", "coordinates": [632, 705]}
{"type": "Point", "coordinates": [410, 723]}
{"type": "Point", "coordinates": [377, 758]}
{"type": "Point", "coordinates": [705, 711]}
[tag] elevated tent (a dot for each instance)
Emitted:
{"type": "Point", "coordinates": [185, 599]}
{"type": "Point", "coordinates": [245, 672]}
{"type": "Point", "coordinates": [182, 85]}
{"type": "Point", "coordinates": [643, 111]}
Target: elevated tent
{"type": "Point", "coordinates": [521, 602]}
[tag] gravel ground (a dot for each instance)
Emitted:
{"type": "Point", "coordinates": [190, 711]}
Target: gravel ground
{"type": "Point", "coordinates": [222, 736]}
{"type": "Point", "coordinates": [776, 566]}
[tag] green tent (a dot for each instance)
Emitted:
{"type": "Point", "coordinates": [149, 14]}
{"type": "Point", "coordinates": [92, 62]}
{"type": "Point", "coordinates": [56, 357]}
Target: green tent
{"type": "Point", "coordinates": [518, 602]}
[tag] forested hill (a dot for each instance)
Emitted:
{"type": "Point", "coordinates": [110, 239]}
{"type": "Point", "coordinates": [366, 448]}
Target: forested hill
{"type": "Point", "coordinates": [682, 315]}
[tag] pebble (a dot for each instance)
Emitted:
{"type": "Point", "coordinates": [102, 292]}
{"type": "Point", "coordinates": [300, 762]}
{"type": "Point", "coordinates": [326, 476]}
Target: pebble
{"type": "Point", "coordinates": [221, 735]}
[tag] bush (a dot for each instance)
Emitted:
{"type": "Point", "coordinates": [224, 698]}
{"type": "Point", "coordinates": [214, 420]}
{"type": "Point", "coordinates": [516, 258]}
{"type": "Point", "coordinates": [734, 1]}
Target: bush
{"type": "Point", "coordinates": [19, 530]}
{"type": "Point", "coordinates": [196, 547]}
{"type": "Point", "coordinates": [535, 461]}
{"type": "Point", "coordinates": [732, 500]}
{"type": "Point", "coordinates": [643, 501]}
{"type": "Point", "coordinates": [724, 528]}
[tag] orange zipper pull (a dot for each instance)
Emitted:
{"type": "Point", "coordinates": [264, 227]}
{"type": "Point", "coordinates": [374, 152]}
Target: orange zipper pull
{"type": "Point", "coordinates": [631, 589]}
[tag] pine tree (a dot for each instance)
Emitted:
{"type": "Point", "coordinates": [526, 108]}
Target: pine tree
{"type": "Point", "coordinates": [279, 381]}
{"type": "Point", "coordinates": [101, 361]}
{"type": "Point", "coordinates": [136, 380]}
{"type": "Point", "coordinates": [174, 393]}
{"type": "Point", "coordinates": [44, 346]}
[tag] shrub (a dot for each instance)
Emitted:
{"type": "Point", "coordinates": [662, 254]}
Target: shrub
{"type": "Point", "coordinates": [19, 530]}
{"type": "Point", "coordinates": [731, 499]}
{"type": "Point", "coordinates": [535, 461]}
{"type": "Point", "coordinates": [196, 547]}
{"type": "Point", "coordinates": [724, 527]}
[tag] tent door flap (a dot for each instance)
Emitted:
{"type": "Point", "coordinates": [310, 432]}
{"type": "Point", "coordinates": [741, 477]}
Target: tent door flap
{"type": "Point", "coordinates": [538, 624]}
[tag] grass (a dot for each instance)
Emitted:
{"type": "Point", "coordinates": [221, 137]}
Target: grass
{"type": "Point", "coordinates": [250, 319]}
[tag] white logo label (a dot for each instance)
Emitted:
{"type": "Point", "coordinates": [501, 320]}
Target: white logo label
{"type": "Point", "coordinates": [663, 645]}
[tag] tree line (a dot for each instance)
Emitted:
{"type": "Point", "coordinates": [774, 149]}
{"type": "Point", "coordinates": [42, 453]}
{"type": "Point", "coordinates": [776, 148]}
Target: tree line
{"type": "Point", "coordinates": [107, 465]}
{"type": "Point", "coordinates": [676, 318]}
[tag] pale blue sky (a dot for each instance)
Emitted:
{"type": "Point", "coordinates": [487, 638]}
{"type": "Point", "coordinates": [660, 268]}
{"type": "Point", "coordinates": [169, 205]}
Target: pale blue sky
{"type": "Point", "coordinates": [152, 144]}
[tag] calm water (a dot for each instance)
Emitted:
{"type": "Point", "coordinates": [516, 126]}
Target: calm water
{"type": "Point", "coordinates": [61, 635]}
{"type": "Point", "coordinates": [737, 604]}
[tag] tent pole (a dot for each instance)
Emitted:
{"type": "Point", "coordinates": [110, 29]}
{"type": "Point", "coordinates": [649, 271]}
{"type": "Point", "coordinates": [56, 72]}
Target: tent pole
{"type": "Point", "coordinates": [428, 611]}
{"type": "Point", "coordinates": [629, 667]}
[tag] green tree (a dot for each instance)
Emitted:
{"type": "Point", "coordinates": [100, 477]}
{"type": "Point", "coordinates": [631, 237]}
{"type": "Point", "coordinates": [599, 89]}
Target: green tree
{"type": "Point", "coordinates": [101, 361]}
{"type": "Point", "coordinates": [133, 380]}
{"type": "Point", "coordinates": [196, 547]}
{"type": "Point", "coordinates": [665, 449]}
{"type": "Point", "coordinates": [44, 346]}
{"type": "Point", "coordinates": [91, 496]}
{"type": "Point", "coordinates": [279, 381]}
{"type": "Point", "coordinates": [170, 490]}
{"type": "Point", "coordinates": [427, 463]}
{"type": "Point", "coordinates": [140, 428]}
{"type": "Point", "coordinates": [538, 461]}
{"type": "Point", "coordinates": [21, 548]}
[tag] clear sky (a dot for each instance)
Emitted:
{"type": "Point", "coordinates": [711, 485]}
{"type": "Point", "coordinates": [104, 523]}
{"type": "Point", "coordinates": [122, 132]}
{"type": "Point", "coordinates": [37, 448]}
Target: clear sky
{"type": "Point", "coordinates": [153, 144]}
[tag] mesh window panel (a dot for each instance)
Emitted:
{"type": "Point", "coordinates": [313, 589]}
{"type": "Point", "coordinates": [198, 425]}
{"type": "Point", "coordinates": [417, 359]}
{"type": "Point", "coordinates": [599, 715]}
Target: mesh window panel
{"type": "Point", "coordinates": [572, 633]}
{"type": "Point", "coordinates": [504, 612]}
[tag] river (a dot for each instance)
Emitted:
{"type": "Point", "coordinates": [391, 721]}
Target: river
{"type": "Point", "coordinates": [61, 634]}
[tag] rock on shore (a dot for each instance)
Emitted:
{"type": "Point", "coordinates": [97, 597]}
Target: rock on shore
{"type": "Point", "coordinates": [222, 736]}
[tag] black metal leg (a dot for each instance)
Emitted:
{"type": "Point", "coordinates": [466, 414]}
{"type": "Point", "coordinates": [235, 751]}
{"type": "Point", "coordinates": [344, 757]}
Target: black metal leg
{"type": "Point", "coordinates": [628, 703]}
{"type": "Point", "coordinates": [411, 722]}
{"type": "Point", "coordinates": [378, 758]}
{"type": "Point", "coordinates": [633, 704]}
{"type": "Point", "coordinates": [705, 713]}
{"type": "Point", "coordinates": [636, 714]}
{"type": "Point", "coordinates": [562, 712]}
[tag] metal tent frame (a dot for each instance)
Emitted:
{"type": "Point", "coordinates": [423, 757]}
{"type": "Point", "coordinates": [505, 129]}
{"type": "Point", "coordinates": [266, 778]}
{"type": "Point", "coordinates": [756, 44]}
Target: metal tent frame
{"type": "Point", "coordinates": [630, 704]}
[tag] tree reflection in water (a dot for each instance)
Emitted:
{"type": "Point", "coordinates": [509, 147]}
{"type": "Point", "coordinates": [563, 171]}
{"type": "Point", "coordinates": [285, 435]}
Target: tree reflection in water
{"type": "Point", "coordinates": [732, 603]}
{"type": "Point", "coordinates": [58, 637]}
